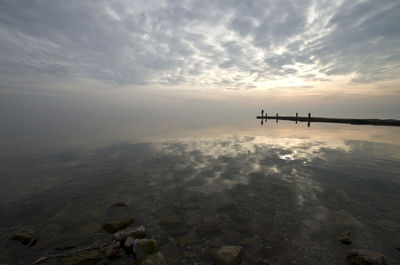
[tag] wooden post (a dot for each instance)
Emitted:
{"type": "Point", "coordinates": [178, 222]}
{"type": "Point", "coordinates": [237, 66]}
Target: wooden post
{"type": "Point", "coordinates": [297, 116]}
{"type": "Point", "coordinates": [309, 119]}
{"type": "Point", "coordinates": [266, 117]}
{"type": "Point", "coordinates": [277, 118]}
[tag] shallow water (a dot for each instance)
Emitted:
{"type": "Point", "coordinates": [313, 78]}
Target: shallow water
{"type": "Point", "coordinates": [283, 192]}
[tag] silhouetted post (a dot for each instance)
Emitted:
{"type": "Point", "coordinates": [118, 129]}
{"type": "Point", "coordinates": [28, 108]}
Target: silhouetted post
{"type": "Point", "coordinates": [309, 119]}
{"type": "Point", "coordinates": [262, 113]}
{"type": "Point", "coordinates": [297, 115]}
{"type": "Point", "coordinates": [266, 117]}
{"type": "Point", "coordinates": [277, 118]}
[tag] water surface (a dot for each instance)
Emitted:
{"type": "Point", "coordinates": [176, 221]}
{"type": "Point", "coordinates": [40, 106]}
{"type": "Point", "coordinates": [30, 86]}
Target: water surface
{"type": "Point", "coordinates": [282, 191]}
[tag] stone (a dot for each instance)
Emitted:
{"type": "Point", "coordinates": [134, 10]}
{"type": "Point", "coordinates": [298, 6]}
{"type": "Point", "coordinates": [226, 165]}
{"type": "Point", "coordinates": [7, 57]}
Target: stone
{"type": "Point", "coordinates": [229, 255]}
{"type": "Point", "coordinates": [144, 247]}
{"type": "Point", "coordinates": [363, 257]}
{"type": "Point", "coordinates": [189, 239]}
{"type": "Point", "coordinates": [112, 250]}
{"type": "Point", "coordinates": [345, 238]}
{"type": "Point", "coordinates": [137, 232]}
{"type": "Point", "coordinates": [129, 242]}
{"type": "Point", "coordinates": [119, 204]}
{"type": "Point", "coordinates": [118, 225]}
{"type": "Point", "coordinates": [26, 237]}
{"type": "Point", "coordinates": [154, 259]}
{"type": "Point", "coordinates": [172, 221]}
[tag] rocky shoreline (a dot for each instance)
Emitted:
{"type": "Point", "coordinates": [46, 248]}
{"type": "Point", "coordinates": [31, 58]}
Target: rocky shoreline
{"type": "Point", "coordinates": [132, 245]}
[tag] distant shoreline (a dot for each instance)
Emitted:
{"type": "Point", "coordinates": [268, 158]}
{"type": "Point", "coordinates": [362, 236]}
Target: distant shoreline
{"type": "Point", "coordinates": [377, 122]}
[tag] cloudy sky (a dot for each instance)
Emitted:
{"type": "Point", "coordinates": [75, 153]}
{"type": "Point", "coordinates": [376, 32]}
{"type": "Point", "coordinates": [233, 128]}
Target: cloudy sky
{"type": "Point", "coordinates": [210, 49]}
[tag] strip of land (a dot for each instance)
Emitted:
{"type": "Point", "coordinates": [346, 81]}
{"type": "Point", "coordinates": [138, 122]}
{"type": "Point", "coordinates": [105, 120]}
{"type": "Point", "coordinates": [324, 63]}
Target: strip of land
{"type": "Point", "coordinates": [378, 122]}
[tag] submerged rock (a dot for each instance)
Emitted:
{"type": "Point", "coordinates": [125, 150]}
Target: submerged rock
{"type": "Point", "coordinates": [119, 204]}
{"type": "Point", "coordinates": [229, 255]}
{"type": "Point", "coordinates": [154, 259]}
{"type": "Point", "coordinates": [138, 232]}
{"type": "Point", "coordinates": [189, 239]}
{"type": "Point", "coordinates": [172, 221]}
{"type": "Point", "coordinates": [118, 225]}
{"type": "Point", "coordinates": [363, 257]}
{"type": "Point", "coordinates": [144, 247]}
{"type": "Point", "coordinates": [345, 238]}
{"type": "Point", "coordinates": [26, 237]}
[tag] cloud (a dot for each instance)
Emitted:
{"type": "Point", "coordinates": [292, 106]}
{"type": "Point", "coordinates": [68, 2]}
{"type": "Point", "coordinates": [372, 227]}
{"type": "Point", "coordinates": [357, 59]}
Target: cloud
{"type": "Point", "coordinates": [198, 43]}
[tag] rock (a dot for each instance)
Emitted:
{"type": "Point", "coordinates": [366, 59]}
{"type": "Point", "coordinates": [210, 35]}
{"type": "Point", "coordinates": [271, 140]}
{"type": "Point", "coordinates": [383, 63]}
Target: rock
{"type": "Point", "coordinates": [129, 242]}
{"type": "Point", "coordinates": [137, 232]}
{"type": "Point", "coordinates": [119, 204]}
{"type": "Point", "coordinates": [229, 255]}
{"type": "Point", "coordinates": [154, 259]}
{"type": "Point", "coordinates": [172, 221]}
{"type": "Point", "coordinates": [113, 249]}
{"type": "Point", "coordinates": [345, 238]}
{"type": "Point", "coordinates": [26, 237]}
{"type": "Point", "coordinates": [118, 225]}
{"type": "Point", "coordinates": [144, 247]}
{"type": "Point", "coordinates": [189, 239]}
{"type": "Point", "coordinates": [363, 257]}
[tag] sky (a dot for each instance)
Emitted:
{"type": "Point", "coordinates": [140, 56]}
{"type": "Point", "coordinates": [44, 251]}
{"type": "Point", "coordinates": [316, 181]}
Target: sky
{"type": "Point", "coordinates": [313, 55]}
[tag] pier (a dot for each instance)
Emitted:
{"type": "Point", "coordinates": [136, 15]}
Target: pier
{"type": "Point", "coordinates": [309, 119]}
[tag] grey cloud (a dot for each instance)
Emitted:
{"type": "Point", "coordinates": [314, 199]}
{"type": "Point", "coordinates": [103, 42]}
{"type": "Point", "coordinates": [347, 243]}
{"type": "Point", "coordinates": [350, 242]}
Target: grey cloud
{"type": "Point", "coordinates": [179, 42]}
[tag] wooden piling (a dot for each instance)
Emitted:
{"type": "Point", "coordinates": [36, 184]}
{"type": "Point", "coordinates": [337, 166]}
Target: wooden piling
{"type": "Point", "coordinates": [277, 118]}
{"type": "Point", "coordinates": [297, 116]}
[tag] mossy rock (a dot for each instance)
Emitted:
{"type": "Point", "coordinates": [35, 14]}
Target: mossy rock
{"type": "Point", "coordinates": [144, 247]}
{"type": "Point", "coordinates": [116, 226]}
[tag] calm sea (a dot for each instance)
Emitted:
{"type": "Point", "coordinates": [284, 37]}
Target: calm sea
{"type": "Point", "coordinates": [282, 191]}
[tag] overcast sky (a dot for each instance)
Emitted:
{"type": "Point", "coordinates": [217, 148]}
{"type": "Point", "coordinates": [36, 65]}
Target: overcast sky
{"type": "Point", "coordinates": [201, 48]}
